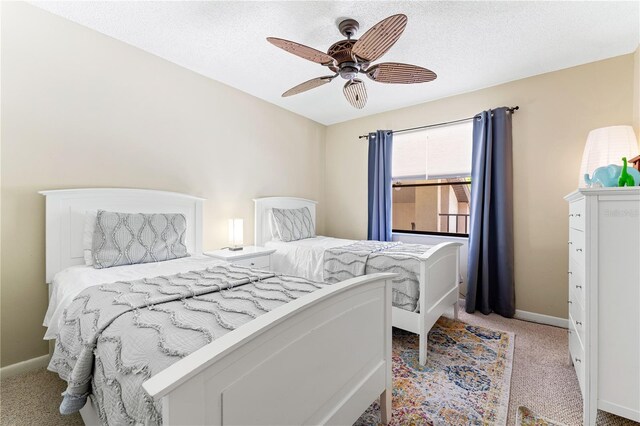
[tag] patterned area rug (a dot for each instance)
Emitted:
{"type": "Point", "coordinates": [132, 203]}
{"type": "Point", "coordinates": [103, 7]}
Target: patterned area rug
{"type": "Point", "coordinates": [465, 381]}
{"type": "Point", "coordinates": [527, 418]}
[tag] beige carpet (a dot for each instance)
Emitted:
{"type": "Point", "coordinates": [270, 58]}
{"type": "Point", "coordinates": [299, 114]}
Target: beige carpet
{"type": "Point", "coordinates": [542, 380]}
{"type": "Point", "coordinates": [33, 399]}
{"type": "Point", "coordinates": [527, 417]}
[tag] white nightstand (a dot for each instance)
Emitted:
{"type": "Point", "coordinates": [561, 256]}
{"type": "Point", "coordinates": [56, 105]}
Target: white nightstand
{"type": "Point", "coordinates": [250, 256]}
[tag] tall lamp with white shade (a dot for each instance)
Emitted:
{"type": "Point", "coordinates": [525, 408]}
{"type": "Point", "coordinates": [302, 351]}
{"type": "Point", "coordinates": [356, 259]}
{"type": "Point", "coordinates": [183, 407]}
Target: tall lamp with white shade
{"type": "Point", "coordinates": [607, 145]}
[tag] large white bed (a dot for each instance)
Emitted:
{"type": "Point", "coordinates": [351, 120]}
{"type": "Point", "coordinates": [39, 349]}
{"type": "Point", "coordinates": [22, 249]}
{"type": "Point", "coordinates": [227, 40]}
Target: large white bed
{"type": "Point", "coordinates": [260, 372]}
{"type": "Point", "coordinates": [438, 267]}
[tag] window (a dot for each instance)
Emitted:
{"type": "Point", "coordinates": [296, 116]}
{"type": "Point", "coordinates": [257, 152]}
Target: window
{"type": "Point", "coordinates": [431, 174]}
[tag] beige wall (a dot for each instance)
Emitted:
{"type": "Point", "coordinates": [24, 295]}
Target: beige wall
{"type": "Point", "coordinates": [417, 205]}
{"type": "Point", "coordinates": [80, 109]}
{"type": "Point", "coordinates": [403, 214]}
{"type": "Point", "coordinates": [557, 110]}
{"type": "Point", "coordinates": [426, 207]}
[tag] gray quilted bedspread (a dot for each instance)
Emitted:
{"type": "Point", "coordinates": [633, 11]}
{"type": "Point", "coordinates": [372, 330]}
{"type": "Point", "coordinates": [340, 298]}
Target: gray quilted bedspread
{"type": "Point", "coordinates": [370, 257]}
{"type": "Point", "coordinates": [116, 336]}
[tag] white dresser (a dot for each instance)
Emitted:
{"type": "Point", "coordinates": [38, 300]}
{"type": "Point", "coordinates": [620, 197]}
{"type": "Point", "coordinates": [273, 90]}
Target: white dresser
{"type": "Point", "coordinates": [604, 299]}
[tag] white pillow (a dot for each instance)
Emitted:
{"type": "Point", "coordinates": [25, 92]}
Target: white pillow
{"type": "Point", "coordinates": [294, 224]}
{"type": "Point", "coordinates": [87, 235]}
{"type": "Point", "coordinates": [134, 238]}
{"type": "Point", "coordinates": [272, 227]}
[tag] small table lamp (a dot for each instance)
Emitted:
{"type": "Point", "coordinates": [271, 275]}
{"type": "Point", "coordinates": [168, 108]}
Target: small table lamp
{"type": "Point", "coordinates": [235, 234]}
{"type": "Point", "coordinates": [605, 146]}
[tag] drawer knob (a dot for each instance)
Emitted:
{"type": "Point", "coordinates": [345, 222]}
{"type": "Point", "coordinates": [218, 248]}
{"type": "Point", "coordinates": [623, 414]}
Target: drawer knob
{"type": "Point", "coordinates": [569, 302]}
{"type": "Point", "coordinates": [570, 243]}
{"type": "Point", "coordinates": [570, 273]}
{"type": "Point", "coordinates": [578, 249]}
{"type": "Point", "coordinates": [578, 323]}
{"type": "Point", "coordinates": [570, 214]}
{"type": "Point", "coordinates": [569, 331]}
{"type": "Point", "coordinates": [578, 286]}
{"type": "Point", "coordinates": [577, 214]}
{"type": "Point", "coordinates": [252, 264]}
{"type": "Point", "coordinates": [577, 360]}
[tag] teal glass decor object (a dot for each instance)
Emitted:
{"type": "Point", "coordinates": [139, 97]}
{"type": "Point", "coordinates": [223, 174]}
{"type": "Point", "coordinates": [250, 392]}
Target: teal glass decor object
{"type": "Point", "coordinates": [609, 176]}
{"type": "Point", "coordinates": [605, 176]}
{"type": "Point", "coordinates": [626, 179]}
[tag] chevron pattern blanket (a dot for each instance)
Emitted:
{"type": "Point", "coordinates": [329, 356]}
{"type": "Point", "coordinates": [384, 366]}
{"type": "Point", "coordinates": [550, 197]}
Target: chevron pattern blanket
{"type": "Point", "coordinates": [370, 257]}
{"type": "Point", "coordinates": [116, 336]}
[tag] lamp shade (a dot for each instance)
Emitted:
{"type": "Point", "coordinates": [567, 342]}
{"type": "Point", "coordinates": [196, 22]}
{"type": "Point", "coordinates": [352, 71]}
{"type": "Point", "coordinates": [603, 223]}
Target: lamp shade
{"type": "Point", "coordinates": [605, 146]}
{"type": "Point", "coordinates": [235, 232]}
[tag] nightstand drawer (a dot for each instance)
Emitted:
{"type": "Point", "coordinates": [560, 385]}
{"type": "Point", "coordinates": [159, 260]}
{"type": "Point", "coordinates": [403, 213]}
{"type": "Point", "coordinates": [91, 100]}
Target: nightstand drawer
{"type": "Point", "coordinates": [260, 262]}
{"type": "Point", "coordinates": [249, 256]}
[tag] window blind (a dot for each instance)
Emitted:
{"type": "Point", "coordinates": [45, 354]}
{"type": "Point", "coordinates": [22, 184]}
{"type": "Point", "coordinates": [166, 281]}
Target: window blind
{"type": "Point", "coordinates": [435, 153]}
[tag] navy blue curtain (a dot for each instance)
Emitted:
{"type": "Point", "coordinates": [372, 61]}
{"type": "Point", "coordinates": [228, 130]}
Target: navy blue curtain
{"type": "Point", "coordinates": [380, 149]}
{"type": "Point", "coordinates": [490, 284]}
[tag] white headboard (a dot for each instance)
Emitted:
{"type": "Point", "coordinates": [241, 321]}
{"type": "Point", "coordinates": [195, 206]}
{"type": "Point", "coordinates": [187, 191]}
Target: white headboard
{"type": "Point", "coordinates": [262, 231]}
{"type": "Point", "coordinates": [65, 217]}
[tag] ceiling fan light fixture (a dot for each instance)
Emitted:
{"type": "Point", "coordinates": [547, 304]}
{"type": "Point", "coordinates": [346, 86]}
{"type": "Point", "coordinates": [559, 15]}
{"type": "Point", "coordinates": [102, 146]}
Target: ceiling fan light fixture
{"type": "Point", "coordinates": [349, 70]}
{"type": "Point", "coordinates": [356, 93]}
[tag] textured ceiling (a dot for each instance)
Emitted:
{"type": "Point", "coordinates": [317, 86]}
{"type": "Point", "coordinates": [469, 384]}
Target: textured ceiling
{"type": "Point", "coordinates": [470, 45]}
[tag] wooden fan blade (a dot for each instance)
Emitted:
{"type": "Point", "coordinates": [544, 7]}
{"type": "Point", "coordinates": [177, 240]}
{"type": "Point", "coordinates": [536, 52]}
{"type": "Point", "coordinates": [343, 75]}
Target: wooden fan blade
{"type": "Point", "coordinates": [356, 93]}
{"type": "Point", "coordinates": [302, 51]}
{"type": "Point", "coordinates": [375, 42]}
{"type": "Point", "coordinates": [307, 85]}
{"type": "Point", "coordinates": [393, 72]}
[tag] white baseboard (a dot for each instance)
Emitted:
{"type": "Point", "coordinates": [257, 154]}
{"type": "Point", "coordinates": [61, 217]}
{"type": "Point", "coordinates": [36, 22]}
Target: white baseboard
{"type": "Point", "coordinates": [541, 319]}
{"type": "Point", "coordinates": [24, 366]}
{"type": "Point", "coordinates": [619, 410]}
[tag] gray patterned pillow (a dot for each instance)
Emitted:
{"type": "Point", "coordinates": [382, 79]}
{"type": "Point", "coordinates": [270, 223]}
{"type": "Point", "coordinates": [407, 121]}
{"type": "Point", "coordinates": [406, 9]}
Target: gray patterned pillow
{"type": "Point", "coordinates": [132, 238]}
{"type": "Point", "coordinates": [294, 224]}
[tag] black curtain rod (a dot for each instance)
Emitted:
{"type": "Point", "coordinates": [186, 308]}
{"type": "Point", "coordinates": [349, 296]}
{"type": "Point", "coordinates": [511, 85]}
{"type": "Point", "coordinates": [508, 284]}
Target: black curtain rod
{"type": "Point", "coordinates": [511, 110]}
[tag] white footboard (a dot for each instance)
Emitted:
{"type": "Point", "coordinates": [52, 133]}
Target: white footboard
{"type": "Point", "coordinates": [321, 359]}
{"type": "Point", "coordinates": [439, 276]}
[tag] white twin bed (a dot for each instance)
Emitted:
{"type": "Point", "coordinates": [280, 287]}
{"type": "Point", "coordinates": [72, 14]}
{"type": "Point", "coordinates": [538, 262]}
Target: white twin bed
{"type": "Point", "coordinates": [322, 358]}
{"type": "Point", "coordinates": [304, 258]}
{"type": "Point", "coordinates": [438, 267]}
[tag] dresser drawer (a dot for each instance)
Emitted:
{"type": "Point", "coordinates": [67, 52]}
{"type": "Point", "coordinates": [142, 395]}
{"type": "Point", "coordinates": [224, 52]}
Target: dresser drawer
{"type": "Point", "coordinates": [576, 214]}
{"type": "Point", "coordinates": [576, 314]}
{"type": "Point", "coordinates": [261, 262]}
{"type": "Point", "coordinates": [576, 246]}
{"type": "Point", "coordinates": [577, 355]}
{"type": "Point", "coordinates": [576, 280]}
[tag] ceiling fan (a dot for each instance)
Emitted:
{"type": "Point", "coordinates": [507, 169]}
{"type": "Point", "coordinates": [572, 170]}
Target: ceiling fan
{"type": "Point", "coordinates": [347, 58]}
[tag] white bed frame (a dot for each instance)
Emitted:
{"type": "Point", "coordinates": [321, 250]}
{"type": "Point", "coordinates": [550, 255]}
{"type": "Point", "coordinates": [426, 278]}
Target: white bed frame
{"type": "Point", "coordinates": [320, 359]}
{"type": "Point", "coordinates": [65, 217]}
{"type": "Point", "coordinates": [439, 272]}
